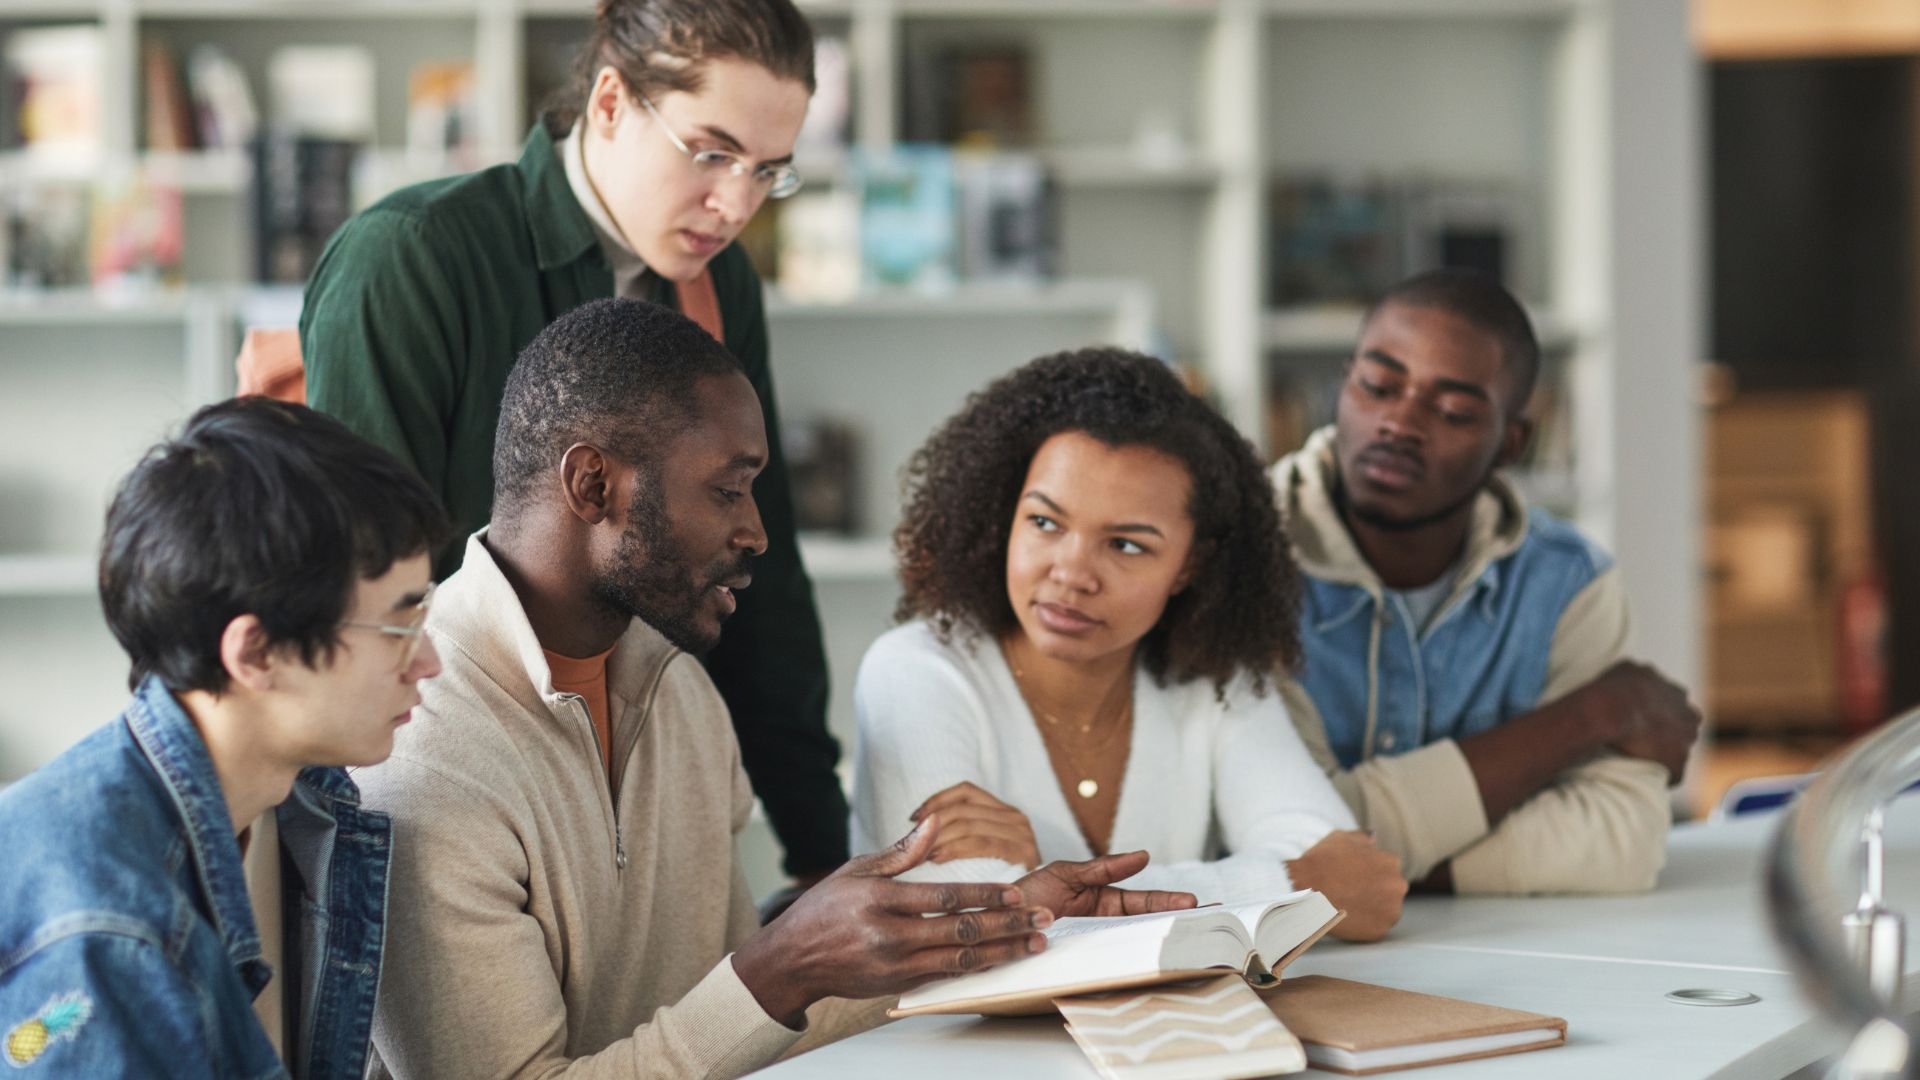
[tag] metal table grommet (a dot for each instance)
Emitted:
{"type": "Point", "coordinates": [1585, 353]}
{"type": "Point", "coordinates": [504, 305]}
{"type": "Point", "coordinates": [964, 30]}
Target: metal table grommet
{"type": "Point", "coordinates": [1704, 996]}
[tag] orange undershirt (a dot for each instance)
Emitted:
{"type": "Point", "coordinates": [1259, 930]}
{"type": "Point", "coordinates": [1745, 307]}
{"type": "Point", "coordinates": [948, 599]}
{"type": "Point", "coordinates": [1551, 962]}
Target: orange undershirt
{"type": "Point", "coordinates": [588, 678]}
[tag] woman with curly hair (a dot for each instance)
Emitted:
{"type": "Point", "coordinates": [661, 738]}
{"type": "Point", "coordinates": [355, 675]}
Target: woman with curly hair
{"type": "Point", "coordinates": [1097, 599]}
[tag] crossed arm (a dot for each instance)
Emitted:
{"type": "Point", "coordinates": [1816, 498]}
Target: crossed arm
{"type": "Point", "coordinates": [1569, 797]}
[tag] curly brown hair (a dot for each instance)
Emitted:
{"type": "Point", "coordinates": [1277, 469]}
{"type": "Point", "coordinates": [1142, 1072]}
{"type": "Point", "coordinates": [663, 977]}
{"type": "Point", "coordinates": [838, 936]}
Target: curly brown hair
{"type": "Point", "coordinates": [1241, 610]}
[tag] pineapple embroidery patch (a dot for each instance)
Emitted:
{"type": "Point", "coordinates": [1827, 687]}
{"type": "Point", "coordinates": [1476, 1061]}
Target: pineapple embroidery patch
{"type": "Point", "coordinates": [59, 1019]}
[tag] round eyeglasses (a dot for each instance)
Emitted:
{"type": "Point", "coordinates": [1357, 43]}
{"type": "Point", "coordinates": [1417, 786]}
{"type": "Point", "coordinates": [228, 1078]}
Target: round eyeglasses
{"type": "Point", "coordinates": [773, 181]}
{"type": "Point", "coordinates": [411, 632]}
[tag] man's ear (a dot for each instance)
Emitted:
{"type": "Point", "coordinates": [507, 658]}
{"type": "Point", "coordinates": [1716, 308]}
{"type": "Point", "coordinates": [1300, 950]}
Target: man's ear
{"type": "Point", "coordinates": [1514, 440]}
{"type": "Point", "coordinates": [246, 655]}
{"type": "Point", "coordinates": [587, 478]}
{"type": "Point", "coordinates": [607, 102]}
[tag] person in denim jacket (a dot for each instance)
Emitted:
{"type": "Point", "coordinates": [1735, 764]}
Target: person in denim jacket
{"type": "Point", "coordinates": [267, 573]}
{"type": "Point", "coordinates": [1465, 682]}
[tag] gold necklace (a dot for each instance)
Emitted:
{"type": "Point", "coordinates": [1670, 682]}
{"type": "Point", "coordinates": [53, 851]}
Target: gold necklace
{"type": "Point", "coordinates": [1088, 787]}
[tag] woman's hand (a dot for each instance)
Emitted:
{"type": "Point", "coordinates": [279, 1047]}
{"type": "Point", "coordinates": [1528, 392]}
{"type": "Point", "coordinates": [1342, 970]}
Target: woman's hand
{"type": "Point", "coordinates": [1359, 878]}
{"type": "Point", "coordinates": [975, 825]}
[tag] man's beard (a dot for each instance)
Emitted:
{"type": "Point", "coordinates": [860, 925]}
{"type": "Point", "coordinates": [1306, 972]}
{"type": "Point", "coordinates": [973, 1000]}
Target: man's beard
{"type": "Point", "coordinates": [651, 582]}
{"type": "Point", "coordinates": [1389, 523]}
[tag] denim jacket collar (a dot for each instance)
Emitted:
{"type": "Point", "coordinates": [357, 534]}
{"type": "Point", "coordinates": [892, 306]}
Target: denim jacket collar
{"type": "Point", "coordinates": [168, 737]}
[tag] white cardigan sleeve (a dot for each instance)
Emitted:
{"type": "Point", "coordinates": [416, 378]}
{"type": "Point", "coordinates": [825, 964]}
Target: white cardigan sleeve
{"type": "Point", "coordinates": [1271, 803]}
{"type": "Point", "coordinates": [922, 728]}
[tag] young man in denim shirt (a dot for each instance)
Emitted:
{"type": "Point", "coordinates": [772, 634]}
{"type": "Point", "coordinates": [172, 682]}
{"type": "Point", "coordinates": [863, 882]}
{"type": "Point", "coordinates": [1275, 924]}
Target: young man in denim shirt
{"type": "Point", "coordinates": [1465, 682]}
{"type": "Point", "coordinates": [267, 572]}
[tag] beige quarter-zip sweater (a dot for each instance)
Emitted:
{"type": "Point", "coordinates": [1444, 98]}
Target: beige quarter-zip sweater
{"type": "Point", "coordinates": [541, 923]}
{"type": "Point", "coordinates": [1600, 827]}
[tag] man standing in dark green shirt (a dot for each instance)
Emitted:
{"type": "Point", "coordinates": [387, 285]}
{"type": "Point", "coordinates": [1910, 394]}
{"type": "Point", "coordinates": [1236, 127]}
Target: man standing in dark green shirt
{"type": "Point", "coordinates": [683, 123]}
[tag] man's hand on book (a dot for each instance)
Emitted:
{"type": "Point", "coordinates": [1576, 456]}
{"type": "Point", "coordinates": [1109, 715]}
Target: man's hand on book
{"type": "Point", "coordinates": [975, 825]}
{"type": "Point", "coordinates": [859, 933]}
{"type": "Point", "coordinates": [1359, 878]}
{"type": "Point", "coordinates": [1086, 888]}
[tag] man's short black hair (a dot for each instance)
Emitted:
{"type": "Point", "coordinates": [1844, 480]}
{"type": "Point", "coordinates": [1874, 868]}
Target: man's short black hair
{"type": "Point", "coordinates": [1484, 304]}
{"type": "Point", "coordinates": [258, 507]}
{"type": "Point", "coordinates": [619, 374]}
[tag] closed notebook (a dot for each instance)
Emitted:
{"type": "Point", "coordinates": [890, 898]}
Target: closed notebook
{"type": "Point", "coordinates": [1216, 1029]}
{"type": "Point", "coordinates": [1094, 955]}
{"type": "Point", "coordinates": [1359, 1028]}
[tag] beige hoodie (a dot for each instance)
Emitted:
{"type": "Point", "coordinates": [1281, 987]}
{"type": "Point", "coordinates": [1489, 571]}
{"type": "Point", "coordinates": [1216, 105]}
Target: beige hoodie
{"type": "Point", "coordinates": [539, 925]}
{"type": "Point", "coordinates": [1424, 804]}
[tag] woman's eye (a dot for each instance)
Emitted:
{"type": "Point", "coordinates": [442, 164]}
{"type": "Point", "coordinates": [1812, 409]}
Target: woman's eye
{"type": "Point", "coordinates": [1373, 390]}
{"type": "Point", "coordinates": [1044, 523]}
{"type": "Point", "coordinates": [729, 494]}
{"type": "Point", "coordinates": [1127, 547]}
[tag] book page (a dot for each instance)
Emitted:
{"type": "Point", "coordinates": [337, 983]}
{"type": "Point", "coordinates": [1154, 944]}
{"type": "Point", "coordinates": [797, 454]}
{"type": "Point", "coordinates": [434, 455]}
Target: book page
{"type": "Point", "coordinates": [1251, 914]}
{"type": "Point", "coordinates": [1075, 925]}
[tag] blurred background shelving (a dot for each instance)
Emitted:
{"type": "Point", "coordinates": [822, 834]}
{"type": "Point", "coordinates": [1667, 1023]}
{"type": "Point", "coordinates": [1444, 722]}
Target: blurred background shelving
{"type": "Point", "coordinates": [1222, 183]}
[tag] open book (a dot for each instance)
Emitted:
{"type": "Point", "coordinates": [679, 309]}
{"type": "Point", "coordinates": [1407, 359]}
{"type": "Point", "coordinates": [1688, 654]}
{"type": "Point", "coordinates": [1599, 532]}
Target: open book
{"type": "Point", "coordinates": [1093, 955]}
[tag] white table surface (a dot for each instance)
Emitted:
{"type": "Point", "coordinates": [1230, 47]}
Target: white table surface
{"type": "Point", "coordinates": [1603, 963]}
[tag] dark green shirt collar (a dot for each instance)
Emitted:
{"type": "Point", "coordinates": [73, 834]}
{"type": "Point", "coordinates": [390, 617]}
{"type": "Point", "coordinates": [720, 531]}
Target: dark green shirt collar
{"type": "Point", "coordinates": [561, 231]}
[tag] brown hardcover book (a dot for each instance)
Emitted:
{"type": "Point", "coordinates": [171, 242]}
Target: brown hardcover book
{"type": "Point", "coordinates": [1359, 1028]}
{"type": "Point", "coordinates": [169, 120]}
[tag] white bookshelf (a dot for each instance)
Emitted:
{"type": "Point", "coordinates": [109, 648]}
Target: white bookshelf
{"type": "Point", "coordinates": [1588, 106]}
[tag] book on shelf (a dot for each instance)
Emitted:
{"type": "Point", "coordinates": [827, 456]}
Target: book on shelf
{"type": "Point", "coordinates": [823, 459]}
{"type": "Point", "coordinates": [1333, 241]}
{"type": "Point", "coordinates": [1210, 1029]}
{"type": "Point", "coordinates": [302, 192]}
{"type": "Point", "coordinates": [442, 111]}
{"type": "Point", "coordinates": [1360, 1028]}
{"type": "Point", "coordinates": [1346, 240]}
{"type": "Point", "coordinates": [973, 94]}
{"type": "Point", "coordinates": [45, 236]}
{"type": "Point", "coordinates": [1094, 955]}
{"type": "Point", "coordinates": [55, 75]}
{"type": "Point", "coordinates": [1008, 218]}
{"type": "Point", "coordinates": [323, 91]}
{"type": "Point", "coordinates": [1474, 225]}
{"type": "Point", "coordinates": [224, 114]}
{"type": "Point", "coordinates": [907, 204]}
{"type": "Point", "coordinates": [169, 119]}
{"type": "Point", "coordinates": [818, 245]}
{"type": "Point", "coordinates": [138, 235]}
{"type": "Point", "coordinates": [825, 130]}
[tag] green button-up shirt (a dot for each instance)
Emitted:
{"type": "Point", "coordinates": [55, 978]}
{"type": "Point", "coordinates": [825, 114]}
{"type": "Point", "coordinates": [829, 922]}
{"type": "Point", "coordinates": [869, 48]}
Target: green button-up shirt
{"type": "Point", "coordinates": [413, 318]}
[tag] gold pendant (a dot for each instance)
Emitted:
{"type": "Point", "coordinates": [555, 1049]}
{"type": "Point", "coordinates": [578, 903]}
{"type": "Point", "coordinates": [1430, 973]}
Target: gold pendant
{"type": "Point", "coordinates": [1088, 789]}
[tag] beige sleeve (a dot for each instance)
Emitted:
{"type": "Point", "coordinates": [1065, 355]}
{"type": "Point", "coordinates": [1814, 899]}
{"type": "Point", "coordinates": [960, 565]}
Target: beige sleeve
{"type": "Point", "coordinates": [1590, 637]}
{"type": "Point", "coordinates": [1423, 805]}
{"type": "Point", "coordinates": [1602, 827]}
{"type": "Point", "coordinates": [468, 986]}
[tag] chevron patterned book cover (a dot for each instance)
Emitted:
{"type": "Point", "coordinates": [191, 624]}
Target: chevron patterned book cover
{"type": "Point", "coordinates": [1214, 1029]}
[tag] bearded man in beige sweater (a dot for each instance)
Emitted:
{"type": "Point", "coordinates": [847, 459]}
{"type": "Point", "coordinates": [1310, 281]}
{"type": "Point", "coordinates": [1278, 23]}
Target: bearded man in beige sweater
{"type": "Point", "coordinates": [565, 898]}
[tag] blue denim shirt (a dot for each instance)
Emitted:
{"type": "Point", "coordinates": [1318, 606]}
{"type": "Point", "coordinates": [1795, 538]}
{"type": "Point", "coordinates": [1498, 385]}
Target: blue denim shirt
{"type": "Point", "coordinates": [1480, 661]}
{"type": "Point", "coordinates": [127, 941]}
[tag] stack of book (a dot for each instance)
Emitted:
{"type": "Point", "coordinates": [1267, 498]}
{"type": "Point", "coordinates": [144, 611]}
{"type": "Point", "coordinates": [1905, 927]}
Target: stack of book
{"type": "Point", "coordinates": [1196, 994]}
